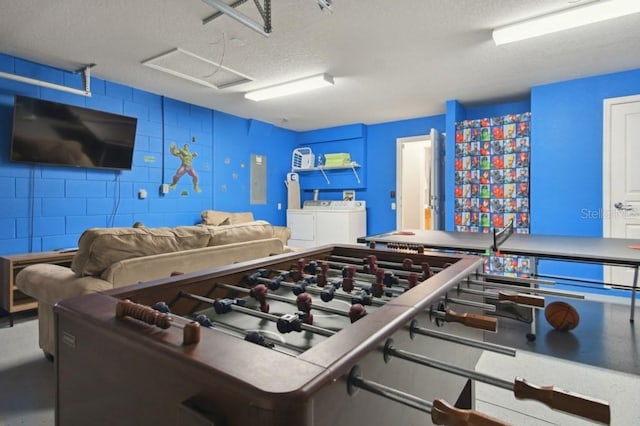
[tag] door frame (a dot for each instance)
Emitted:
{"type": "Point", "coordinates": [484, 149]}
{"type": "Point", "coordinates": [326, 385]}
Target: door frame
{"type": "Point", "coordinates": [606, 169]}
{"type": "Point", "coordinates": [399, 204]}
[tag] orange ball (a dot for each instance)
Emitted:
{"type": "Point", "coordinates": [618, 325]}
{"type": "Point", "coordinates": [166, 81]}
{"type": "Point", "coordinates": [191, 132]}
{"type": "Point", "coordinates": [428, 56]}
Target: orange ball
{"type": "Point", "coordinates": [561, 316]}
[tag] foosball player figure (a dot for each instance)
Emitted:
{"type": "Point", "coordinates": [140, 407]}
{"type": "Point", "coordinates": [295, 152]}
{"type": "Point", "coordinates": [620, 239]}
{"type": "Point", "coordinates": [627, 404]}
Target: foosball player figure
{"type": "Point", "coordinates": [304, 301]}
{"type": "Point", "coordinates": [378, 286]}
{"type": "Point", "coordinates": [412, 279]}
{"type": "Point", "coordinates": [356, 312]}
{"type": "Point", "coordinates": [301, 287]}
{"type": "Point", "coordinates": [254, 278]}
{"type": "Point", "coordinates": [426, 271]}
{"type": "Point", "coordinates": [204, 321]}
{"type": "Point", "coordinates": [296, 271]}
{"type": "Point", "coordinates": [390, 279]}
{"type": "Point", "coordinates": [407, 264]}
{"type": "Point", "coordinates": [362, 298]}
{"type": "Point", "coordinates": [370, 264]}
{"type": "Point", "coordinates": [257, 338]}
{"type": "Point", "coordinates": [311, 267]}
{"type": "Point", "coordinates": [321, 276]}
{"type": "Point", "coordinates": [223, 306]}
{"type": "Point", "coordinates": [291, 322]}
{"type": "Point", "coordinates": [161, 307]}
{"type": "Point", "coordinates": [348, 272]}
{"type": "Point", "coordinates": [327, 293]}
{"type": "Point", "coordinates": [259, 293]}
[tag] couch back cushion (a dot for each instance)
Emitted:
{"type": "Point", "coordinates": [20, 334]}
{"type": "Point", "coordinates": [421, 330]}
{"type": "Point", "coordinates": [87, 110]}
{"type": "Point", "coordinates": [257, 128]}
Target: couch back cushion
{"type": "Point", "coordinates": [131, 271]}
{"type": "Point", "coordinates": [99, 248]}
{"type": "Point", "coordinates": [248, 231]}
{"type": "Point", "coordinates": [217, 218]}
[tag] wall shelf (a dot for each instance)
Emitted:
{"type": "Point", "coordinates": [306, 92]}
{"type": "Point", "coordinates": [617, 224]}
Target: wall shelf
{"type": "Point", "coordinates": [322, 169]}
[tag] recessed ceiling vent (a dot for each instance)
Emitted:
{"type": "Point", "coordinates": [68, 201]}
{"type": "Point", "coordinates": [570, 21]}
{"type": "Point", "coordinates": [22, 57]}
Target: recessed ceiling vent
{"type": "Point", "coordinates": [187, 65]}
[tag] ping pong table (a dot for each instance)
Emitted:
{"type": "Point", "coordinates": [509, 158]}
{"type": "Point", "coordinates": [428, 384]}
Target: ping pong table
{"type": "Point", "coordinates": [604, 251]}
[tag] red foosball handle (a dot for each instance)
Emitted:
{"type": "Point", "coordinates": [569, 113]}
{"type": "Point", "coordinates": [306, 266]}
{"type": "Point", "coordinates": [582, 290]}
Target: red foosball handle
{"type": "Point", "coordinates": [447, 415]}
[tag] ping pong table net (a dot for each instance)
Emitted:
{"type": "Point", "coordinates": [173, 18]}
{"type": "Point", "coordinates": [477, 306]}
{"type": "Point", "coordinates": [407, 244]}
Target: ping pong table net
{"type": "Point", "coordinates": [500, 237]}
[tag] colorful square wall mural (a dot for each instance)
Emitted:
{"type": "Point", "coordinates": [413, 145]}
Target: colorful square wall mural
{"type": "Point", "coordinates": [492, 182]}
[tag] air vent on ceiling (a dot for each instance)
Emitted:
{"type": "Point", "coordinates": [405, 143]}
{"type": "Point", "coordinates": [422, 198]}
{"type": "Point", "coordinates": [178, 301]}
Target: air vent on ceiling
{"type": "Point", "coordinates": [187, 65]}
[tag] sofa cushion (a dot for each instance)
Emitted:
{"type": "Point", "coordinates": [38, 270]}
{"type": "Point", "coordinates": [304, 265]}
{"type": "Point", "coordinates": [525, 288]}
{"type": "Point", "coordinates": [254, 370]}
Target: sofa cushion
{"type": "Point", "coordinates": [249, 231]}
{"type": "Point", "coordinates": [99, 248]}
{"type": "Point", "coordinates": [216, 217]}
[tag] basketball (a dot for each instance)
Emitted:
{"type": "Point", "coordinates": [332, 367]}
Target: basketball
{"type": "Point", "coordinates": [561, 316]}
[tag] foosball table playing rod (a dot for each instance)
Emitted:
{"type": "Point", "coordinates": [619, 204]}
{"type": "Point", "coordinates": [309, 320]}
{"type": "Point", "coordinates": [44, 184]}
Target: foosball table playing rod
{"type": "Point", "coordinates": [557, 399]}
{"type": "Point", "coordinates": [481, 322]}
{"type": "Point", "coordinates": [415, 329]}
{"type": "Point", "coordinates": [404, 268]}
{"type": "Point", "coordinates": [523, 289]}
{"type": "Point", "coordinates": [299, 325]}
{"type": "Point", "coordinates": [284, 299]}
{"type": "Point", "coordinates": [413, 268]}
{"type": "Point", "coordinates": [341, 276]}
{"type": "Point", "coordinates": [326, 294]}
{"type": "Point", "coordinates": [518, 298]}
{"type": "Point", "coordinates": [441, 412]}
{"type": "Point", "coordinates": [480, 305]}
{"type": "Point", "coordinates": [520, 280]}
{"type": "Point", "coordinates": [471, 303]}
{"type": "Point", "coordinates": [191, 329]}
{"type": "Point", "coordinates": [253, 336]}
{"type": "Point", "coordinates": [469, 320]}
{"type": "Point", "coordinates": [400, 275]}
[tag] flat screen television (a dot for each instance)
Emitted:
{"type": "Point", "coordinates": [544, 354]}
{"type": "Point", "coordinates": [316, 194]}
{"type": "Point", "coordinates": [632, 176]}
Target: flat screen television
{"type": "Point", "coordinates": [52, 133]}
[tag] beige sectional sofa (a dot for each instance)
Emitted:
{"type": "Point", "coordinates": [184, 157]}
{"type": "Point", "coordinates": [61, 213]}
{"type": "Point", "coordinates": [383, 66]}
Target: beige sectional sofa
{"type": "Point", "coordinates": [115, 257]}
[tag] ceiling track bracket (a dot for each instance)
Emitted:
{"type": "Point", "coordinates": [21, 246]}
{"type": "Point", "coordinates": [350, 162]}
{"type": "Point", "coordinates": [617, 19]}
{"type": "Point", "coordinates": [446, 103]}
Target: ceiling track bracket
{"type": "Point", "coordinates": [230, 10]}
{"type": "Point", "coordinates": [86, 82]}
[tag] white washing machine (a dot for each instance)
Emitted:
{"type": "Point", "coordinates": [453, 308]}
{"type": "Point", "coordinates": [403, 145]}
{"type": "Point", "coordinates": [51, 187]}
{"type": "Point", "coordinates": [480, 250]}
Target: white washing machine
{"type": "Point", "coordinates": [321, 222]}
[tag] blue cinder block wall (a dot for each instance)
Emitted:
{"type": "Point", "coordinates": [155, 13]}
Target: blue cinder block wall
{"type": "Point", "coordinates": [47, 207]}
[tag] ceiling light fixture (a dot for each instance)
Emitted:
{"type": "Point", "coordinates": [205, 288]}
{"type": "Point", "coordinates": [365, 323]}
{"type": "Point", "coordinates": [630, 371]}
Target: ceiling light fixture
{"type": "Point", "coordinates": [590, 13]}
{"type": "Point", "coordinates": [291, 87]}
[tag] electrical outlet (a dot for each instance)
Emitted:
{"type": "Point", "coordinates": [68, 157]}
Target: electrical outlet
{"type": "Point", "coordinates": [393, 206]}
{"type": "Point", "coordinates": [279, 206]}
{"type": "Point", "coordinates": [164, 188]}
{"type": "Point", "coordinates": [142, 194]}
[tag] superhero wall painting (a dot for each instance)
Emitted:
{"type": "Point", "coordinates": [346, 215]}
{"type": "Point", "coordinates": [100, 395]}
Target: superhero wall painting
{"type": "Point", "coordinates": [184, 158]}
{"type": "Point", "coordinates": [492, 181]}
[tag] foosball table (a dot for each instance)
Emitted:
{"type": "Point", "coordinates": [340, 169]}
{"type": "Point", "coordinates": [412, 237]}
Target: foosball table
{"type": "Point", "coordinates": [337, 335]}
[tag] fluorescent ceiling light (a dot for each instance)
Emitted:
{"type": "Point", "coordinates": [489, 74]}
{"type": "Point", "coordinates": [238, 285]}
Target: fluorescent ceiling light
{"type": "Point", "coordinates": [590, 13]}
{"type": "Point", "coordinates": [291, 87]}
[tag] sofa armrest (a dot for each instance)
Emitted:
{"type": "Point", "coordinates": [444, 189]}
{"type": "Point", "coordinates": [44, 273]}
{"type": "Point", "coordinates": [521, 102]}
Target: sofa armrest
{"type": "Point", "coordinates": [282, 233]}
{"type": "Point", "coordinates": [52, 283]}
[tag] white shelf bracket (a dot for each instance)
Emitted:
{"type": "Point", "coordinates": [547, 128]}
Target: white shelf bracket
{"type": "Point", "coordinates": [325, 175]}
{"type": "Point", "coordinates": [355, 172]}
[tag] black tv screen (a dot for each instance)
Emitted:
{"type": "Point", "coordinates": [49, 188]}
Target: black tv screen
{"type": "Point", "coordinates": [58, 134]}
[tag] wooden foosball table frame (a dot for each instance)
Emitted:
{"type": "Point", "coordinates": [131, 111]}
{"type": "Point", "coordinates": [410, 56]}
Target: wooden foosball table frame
{"type": "Point", "coordinates": [116, 367]}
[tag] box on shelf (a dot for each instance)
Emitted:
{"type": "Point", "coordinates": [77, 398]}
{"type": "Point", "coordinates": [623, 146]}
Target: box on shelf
{"type": "Point", "coordinates": [337, 159]}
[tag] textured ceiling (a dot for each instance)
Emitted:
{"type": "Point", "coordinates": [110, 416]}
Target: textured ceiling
{"type": "Point", "coordinates": [390, 60]}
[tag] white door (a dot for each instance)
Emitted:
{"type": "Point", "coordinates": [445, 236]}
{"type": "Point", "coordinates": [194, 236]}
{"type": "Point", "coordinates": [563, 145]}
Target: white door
{"type": "Point", "coordinates": [413, 182]}
{"type": "Point", "coordinates": [621, 176]}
